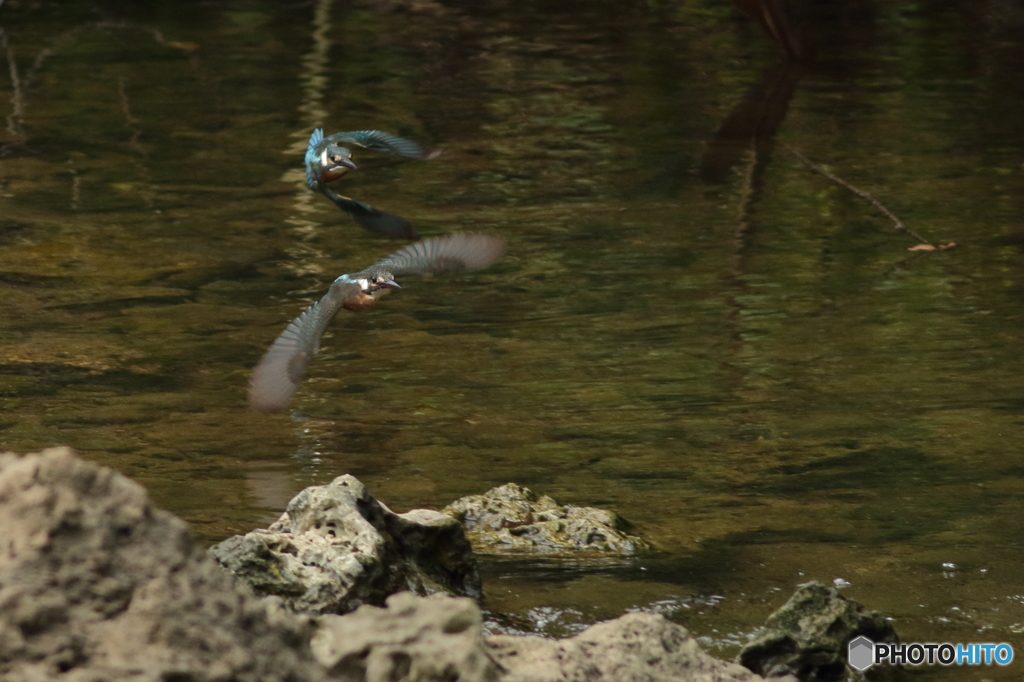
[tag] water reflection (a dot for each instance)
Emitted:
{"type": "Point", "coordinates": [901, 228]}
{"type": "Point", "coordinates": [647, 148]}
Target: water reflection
{"type": "Point", "coordinates": [754, 370]}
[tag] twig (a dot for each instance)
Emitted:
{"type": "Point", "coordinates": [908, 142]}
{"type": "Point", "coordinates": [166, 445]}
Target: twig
{"type": "Point", "coordinates": [17, 116]}
{"type": "Point", "coordinates": [158, 35]}
{"type": "Point", "coordinates": [861, 193]}
{"type": "Point", "coordinates": [130, 121]}
{"type": "Point", "coordinates": [141, 153]}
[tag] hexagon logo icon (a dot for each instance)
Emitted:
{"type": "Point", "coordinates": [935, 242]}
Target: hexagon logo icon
{"type": "Point", "coordinates": [860, 653]}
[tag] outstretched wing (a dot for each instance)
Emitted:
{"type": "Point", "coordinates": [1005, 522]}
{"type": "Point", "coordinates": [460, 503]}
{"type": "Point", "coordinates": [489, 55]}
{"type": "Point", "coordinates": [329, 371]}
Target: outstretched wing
{"type": "Point", "coordinates": [458, 252]}
{"type": "Point", "coordinates": [380, 141]}
{"type": "Point", "coordinates": [283, 366]}
{"type": "Point", "coordinates": [372, 219]}
{"type": "Point", "coordinates": [312, 157]}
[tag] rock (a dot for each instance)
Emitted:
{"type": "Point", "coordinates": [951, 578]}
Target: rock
{"type": "Point", "coordinates": [425, 639]}
{"type": "Point", "coordinates": [439, 639]}
{"type": "Point", "coordinates": [98, 584]}
{"type": "Point", "coordinates": [511, 518]}
{"type": "Point", "coordinates": [808, 636]}
{"type": "Point", "coordinates": [638, 647]}
{"type": "Point", "coordinates": [336, 548]}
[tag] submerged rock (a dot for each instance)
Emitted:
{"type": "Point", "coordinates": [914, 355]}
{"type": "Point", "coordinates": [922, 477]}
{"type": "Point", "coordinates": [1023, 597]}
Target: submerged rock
{"type": "Point", "coordinates": [336, 548]}
{"type": "Point", "coordinates": [511, 518]}
{"type": "Point", "coordinates": [808, 635]}
{"type": "Point", "coordinates": [413, 638]}
{"type": "Point", "coordinates": [638, 647]}
{"type": "Point", "coordinates": [98, 584]}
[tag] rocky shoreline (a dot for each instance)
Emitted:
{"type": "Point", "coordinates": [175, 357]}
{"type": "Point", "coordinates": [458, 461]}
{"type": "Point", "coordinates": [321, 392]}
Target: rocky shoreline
{"type": "Point", "coordinates": [96, 584]}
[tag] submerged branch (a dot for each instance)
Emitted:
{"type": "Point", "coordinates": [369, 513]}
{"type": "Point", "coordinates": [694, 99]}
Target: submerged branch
{"type": "Point", "coordinates": [141, 153]}
{"type": "Point", "coordinates": [15, 121]}
{"type": "Point", "coordinates": [866, 195]}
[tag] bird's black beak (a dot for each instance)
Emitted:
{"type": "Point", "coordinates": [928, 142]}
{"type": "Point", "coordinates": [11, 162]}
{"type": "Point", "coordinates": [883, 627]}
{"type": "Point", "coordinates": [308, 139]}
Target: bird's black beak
{"type": "Point", "coordinates": [390, 284]}
{"type": "Point", "coordinates": [346, 162]}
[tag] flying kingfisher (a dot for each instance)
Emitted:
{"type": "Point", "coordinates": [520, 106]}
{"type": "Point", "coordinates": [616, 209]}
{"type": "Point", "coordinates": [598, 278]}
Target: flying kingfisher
{"type": "Point", "coordinates": [327, 160]}
{"type": "Point", "coordinates": [283, 366]}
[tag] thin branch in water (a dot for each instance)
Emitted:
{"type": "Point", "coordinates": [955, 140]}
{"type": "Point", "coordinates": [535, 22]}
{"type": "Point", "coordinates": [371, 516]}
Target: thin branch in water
{"type": "Point", "coordinates": [864, 195]}
{"type": "Point", "coordinates": [131, 122]}
{"type": "Point", "coordinates": [68, 37]}
{"type": "Point", "coordinates": [37, 64]}
{"type": "Point", "coordinates": [141, 153]}
{"type": "Point", "coordinates": [76, 185]}
{"type": "Point", "coordinates": [17, 117]}
{"type": "Point", "coordinates": [157, 34]}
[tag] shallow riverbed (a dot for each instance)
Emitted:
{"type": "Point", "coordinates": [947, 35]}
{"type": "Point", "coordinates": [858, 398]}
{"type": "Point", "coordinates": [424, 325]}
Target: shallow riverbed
{"type": "Point", "coordinates": [690, 325]}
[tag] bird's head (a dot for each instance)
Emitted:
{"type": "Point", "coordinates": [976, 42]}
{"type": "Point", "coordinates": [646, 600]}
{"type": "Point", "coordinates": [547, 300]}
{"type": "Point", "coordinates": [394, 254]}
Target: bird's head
{"type": "Point", "coordinates": [377, 281]}
{"type": "Point", "coordinates": [336, 158]}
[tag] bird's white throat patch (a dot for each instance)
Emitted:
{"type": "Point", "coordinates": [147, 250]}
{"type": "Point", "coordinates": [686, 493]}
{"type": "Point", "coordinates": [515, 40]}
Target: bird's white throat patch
{"type": "Point", "coordinates": [362, 282]}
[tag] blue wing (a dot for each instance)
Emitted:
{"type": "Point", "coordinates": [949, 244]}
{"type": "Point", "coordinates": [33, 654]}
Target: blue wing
{"type": "Point", "coordinates": [312, 157]}
{"type": "Point", "coordinates": [457, 252]}
{"type": "Point", "coordinates": [381, 222]}
{"type": "Point", "coordinates": [283, 366]}
{"type": "Point", "coordinates": [380, 141]}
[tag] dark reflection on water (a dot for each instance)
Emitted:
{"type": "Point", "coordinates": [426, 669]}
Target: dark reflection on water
{"type": "Point", "coordinates": [690, 326]}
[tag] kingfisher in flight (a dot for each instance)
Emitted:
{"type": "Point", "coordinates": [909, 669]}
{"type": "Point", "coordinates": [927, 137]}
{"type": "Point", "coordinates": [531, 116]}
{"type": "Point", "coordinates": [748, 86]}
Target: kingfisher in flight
{"type": "Point", "coordinates": [327, 159]}
{"type": "Point", "coordinates": [283, 366]}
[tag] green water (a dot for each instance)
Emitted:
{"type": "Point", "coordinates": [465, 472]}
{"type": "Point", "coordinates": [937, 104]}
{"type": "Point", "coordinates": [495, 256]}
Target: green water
{"type": "Point", "coordinates": [701, 333]}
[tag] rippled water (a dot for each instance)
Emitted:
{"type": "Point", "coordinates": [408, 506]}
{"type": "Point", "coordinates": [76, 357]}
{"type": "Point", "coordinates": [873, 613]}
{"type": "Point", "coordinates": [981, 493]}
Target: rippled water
{"type": "Point", "coordinates": [691, 326]}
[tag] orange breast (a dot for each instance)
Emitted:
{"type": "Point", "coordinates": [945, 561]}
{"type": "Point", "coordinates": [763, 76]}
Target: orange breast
{"type": "Point", "coordinates": [363, 301]}
{"type": "Point", "coordinates": [359, 302]}
{"type": "Point", "coordinates": [333, 174]}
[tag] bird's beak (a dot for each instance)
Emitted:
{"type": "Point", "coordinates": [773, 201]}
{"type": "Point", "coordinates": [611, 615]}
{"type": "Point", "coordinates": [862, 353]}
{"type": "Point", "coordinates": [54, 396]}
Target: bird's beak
{"type": "Point", "coordinates": [346, 162]}
{"type": "Point", "coordinates": [390, 284]}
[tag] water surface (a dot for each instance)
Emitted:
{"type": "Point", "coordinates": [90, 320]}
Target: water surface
{"type": "Point", "coordinates": [690, 327]}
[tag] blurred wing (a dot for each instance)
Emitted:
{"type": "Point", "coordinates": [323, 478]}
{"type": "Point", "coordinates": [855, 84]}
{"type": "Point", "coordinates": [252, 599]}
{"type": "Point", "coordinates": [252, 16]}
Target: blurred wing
{"type": "Point", "coordinates": [440, 255]}
{"type": "Point", "coordinates": [380, 222]}
{"type": "Point", "coordinates": [312, 157]}
{"type": "Point", "coordinates": [382, 142]}
{"type": "Point", "coordinates": [283, 366]}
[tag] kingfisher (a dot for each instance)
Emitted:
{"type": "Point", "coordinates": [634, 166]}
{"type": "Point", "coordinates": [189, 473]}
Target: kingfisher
{"type": "Point", "coordinates": [283, 367]}
{"type": "Point", "coordinates": [327, 160]}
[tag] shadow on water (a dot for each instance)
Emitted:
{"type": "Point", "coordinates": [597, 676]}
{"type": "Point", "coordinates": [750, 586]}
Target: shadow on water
{"type": "Point", "coordinates": [690, 326]}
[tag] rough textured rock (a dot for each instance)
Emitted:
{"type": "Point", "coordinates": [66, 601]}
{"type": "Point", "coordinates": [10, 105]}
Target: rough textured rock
{"type": "Point", "coordinates": [638, 647]}
{"type": "Point", "coordinates": [808, 635]}
{"type": "Point", "coordinates": [438, 639]}
{"type": "Point", "coordinates": [511, 518]}
{"type": "Point", "coordinates": [336, 548]}
{"type": "Point", "coordinates": [426, 639]}
{"type": "Point", "coordinates": [97, 584]}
